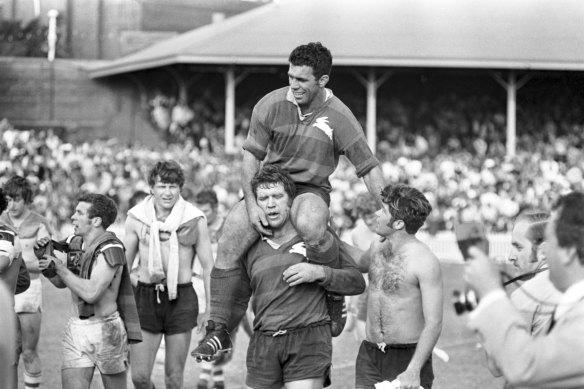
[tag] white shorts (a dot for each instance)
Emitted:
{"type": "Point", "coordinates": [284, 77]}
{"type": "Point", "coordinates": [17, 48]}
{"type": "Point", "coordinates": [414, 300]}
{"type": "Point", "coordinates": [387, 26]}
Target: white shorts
{"type": "Point", "coordinates": [102, 343]}
{"type": "Point", "coordinates": [30, 300]}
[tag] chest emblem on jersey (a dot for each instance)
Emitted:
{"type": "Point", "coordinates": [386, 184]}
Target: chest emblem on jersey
{"type": "Point", "coordinates": [298, 248]}
{"type": "Point", "coordinates": [322, 124]}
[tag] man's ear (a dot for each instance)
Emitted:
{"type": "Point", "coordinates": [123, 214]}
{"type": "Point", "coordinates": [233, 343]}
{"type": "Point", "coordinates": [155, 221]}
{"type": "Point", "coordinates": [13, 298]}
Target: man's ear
{"type": "Point", "coordinates": [398, 225]}
{"type": "Point", "coordinates": [323, 80]}
{"type": "Point", "coordinates": [96, 221]}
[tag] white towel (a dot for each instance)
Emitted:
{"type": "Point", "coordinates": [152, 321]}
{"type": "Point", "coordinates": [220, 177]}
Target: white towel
{"type": "Point", "coordinates": [180, 214]}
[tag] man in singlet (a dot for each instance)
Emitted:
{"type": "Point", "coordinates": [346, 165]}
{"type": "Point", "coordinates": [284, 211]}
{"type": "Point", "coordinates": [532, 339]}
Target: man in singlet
{"type": "Point", "coordinates": [103, 315]}
{"type": "Point", "coordinates": [30, 226]}
{"type": "Point", "coordinates": [404, 304]}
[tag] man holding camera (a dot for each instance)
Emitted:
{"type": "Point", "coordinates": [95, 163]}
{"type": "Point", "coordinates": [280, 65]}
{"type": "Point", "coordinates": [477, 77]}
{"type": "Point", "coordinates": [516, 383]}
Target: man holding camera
{"type": "Point", "coordinates": [551, 360]}
{"type": "Point", "coordinates": [404, 302]}
{"type": "Point", "coordinates": [105, 318]}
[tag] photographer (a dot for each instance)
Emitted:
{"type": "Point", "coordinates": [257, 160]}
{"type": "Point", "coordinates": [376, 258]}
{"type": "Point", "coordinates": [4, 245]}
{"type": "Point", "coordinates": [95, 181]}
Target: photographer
{"type": "Point", "coordinates": [551, 360]}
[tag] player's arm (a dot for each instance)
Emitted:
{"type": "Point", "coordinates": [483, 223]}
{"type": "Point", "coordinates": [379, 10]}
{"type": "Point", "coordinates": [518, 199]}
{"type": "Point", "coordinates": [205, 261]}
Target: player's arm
{"type": "Point", "coordinates": [205, 253]}
{"type": "Point", "coordinates": [7, 254]}
{"type": "Point", "coordinates": [375, 183]}
{"type": "Point", "coordinates": [131, 241]}
{"type": "Point", "coordinates": [429, 277]}
{"type": "Point", "coordinates": [257, 217]}
{"type": "Point", "coordinates": [90, 290]}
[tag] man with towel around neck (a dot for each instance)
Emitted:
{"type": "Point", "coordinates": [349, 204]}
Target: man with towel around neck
{"type": "Point", "coordinates": [166, 233]}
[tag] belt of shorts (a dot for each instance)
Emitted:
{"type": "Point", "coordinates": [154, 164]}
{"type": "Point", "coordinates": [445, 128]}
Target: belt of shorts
{"type": "Point", "coordinates": [292, 330]}
{"type": "Point", "coordinates": [394, 345]}
{"type": "Point", "coordinates": [153, 285]}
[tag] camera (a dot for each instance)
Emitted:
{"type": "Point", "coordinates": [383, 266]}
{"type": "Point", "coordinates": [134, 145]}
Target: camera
{"type": "Point", "coordinates": [42, 251]}
{"type": "Point", "coordinates": [464, 301]}
{"type": "Point", "coordinates": [467, 235]}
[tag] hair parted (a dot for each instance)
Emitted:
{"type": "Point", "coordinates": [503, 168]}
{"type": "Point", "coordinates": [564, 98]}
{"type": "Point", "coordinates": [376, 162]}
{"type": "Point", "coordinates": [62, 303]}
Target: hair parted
{"type": "Point", "coordinates": [19, 187]}
{"type": "Point", "coordinates": [569, 226]}
{"type": "Point", "coordinates": [407, 204]}
{"type": "Point", "coordinates": [101, 206]}
{"type": "Point", "coordinates": [315, 55]}
{"type": "Point", "coordinates": [170, 172]}
{"type": "Point", "coordinates": [269, 175]}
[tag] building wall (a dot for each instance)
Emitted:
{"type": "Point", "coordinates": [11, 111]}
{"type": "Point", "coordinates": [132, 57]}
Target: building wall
{"type": "Point", "coordinates": [37, 94]}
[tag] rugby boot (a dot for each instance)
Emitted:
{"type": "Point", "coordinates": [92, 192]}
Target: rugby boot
{"type": "Point", "coordinates": [216, 342]}
{"type": "Point", "coordinates": [337, 310]}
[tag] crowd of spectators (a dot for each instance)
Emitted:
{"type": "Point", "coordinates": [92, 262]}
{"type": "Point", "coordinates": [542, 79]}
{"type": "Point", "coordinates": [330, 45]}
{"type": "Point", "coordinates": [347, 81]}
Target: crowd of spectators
{"type": "Point", "coordinates": [453, 151]}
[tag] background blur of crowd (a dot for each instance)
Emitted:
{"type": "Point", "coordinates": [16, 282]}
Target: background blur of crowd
{"type": "Point", "coordinates": [452, 147]}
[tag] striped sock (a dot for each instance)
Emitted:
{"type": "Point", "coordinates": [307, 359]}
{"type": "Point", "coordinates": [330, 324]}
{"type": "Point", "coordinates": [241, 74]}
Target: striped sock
{"type": "Point", "coordinates": [205, 376]}
{"type": "Point", "coordinates": [218, 378]}
{"type": "Point", "coordinates": [32, 380]}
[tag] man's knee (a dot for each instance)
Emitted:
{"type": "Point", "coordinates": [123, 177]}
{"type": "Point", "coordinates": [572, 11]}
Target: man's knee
{"type": "Point", "coordinates": [174, 378]}
{"type": "Point", "coordinates": [29, 355]}
{"type": "Point", "coordinates": [141, 381]}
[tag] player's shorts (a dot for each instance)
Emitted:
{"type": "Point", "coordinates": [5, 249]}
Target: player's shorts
{"type": "Point", "coordinates": [160, 315]}
{"type": "Point", "coordinates": [30, 300]}
{"type": "Point", "coordinates": [102, 343]}
{"type": "Point", "coordinates": [320, 192]}
{"type": "Point", "coordinates": [298, 354]}
{"type": "Point", "coordinates": [375, 366]}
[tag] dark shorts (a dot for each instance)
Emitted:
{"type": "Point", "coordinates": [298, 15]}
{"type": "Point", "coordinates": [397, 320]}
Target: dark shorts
{"type": "Point", "coordinates": [167, 317]}
{"type": "Point", "coordinates": [320, 192]}
{"type": "Point", "coordinates": [374, 366]}
{"type": "Point", "coordinates": [297, 355]}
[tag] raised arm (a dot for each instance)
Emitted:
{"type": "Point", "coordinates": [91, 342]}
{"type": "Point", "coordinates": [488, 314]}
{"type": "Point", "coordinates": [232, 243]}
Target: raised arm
{"type": "Point", "coordinates": [374, 181]}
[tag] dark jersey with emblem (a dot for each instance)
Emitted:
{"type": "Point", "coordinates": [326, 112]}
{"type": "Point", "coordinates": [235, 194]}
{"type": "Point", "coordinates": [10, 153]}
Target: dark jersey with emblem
{"type": "Point", "coordinates": [308, 148]}
{"type": "Point", "coordinates": [276, 305]}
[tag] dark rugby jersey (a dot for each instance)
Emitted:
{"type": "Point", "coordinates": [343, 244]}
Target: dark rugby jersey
{"type": "Point", "coordinates": [276, 305]}
{"type": "Point", "coordinates": [307, 148]}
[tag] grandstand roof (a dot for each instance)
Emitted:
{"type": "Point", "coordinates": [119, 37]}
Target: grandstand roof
{"type": "Point", "coordinates": [504, 34]}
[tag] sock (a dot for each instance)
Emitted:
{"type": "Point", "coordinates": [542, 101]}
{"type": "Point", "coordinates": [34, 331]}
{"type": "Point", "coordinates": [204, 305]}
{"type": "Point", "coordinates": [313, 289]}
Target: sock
{"type": "Point", "coordinates": [218, 378]}
{"type": "Point", "coordinates": [225, 283]}
{"type": "Point", "coordinates": [206, 369]}
{"type": "Point", "coordinates": [32, 380]}
{"type": "Point", "coordinates": [326, 252]}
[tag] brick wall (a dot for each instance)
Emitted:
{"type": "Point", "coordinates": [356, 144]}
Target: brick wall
{"type": "Point", "coordinates": [36, 93]}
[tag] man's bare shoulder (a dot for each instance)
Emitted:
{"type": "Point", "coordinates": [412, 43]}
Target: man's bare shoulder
{"type": "Point", "coordinates": [421, 260]}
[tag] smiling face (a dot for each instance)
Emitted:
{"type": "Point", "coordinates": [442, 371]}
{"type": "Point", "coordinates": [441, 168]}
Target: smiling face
{"type": "Point", "coordinates": [165, 194]}
{"type": "Point", "coordinates": [16, 207]}
{"type": "Point", "coordinates": [275, 202]}
{"type": "Point", "coordinates": [305, 86]}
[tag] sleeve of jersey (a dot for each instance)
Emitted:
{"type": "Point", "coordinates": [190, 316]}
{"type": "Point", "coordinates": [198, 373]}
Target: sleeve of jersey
{"type": "Point", "coordinates": [7, 244]}
{"type": "Point", "coordinates": [258, 136]}
{"type": "Point", "coordinates": [352, 143]}
{"type": "Point", "coordinates": [114, 254]}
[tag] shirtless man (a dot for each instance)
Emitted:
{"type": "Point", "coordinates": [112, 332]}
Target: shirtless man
{"type": "Point", "coordinates": [104, 316]}
{"type": "Point", "coordinates": [404, 305]}
{"type": "Point", "coordinates": [10, 261]}
{"type": "Point", "coordinates": [166, 233]}
{"type": "Point", "coordinates": [30, 226]}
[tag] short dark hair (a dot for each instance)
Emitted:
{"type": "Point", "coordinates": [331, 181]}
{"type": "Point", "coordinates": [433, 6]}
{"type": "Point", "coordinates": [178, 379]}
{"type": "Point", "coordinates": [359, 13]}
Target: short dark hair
{"type": "Point", "coordinates": [269, 175]}
{"type": "Point", "coordinates": [537, 221]}
{"type": "Point", "coordinates": [19, 187]}
{"type": "Point", "coordinates": [207, 196]}
{"type": "Point", "coordinates": [136, 198]}
{"type": "Point", "coordinates": [169, 172]}
{"type": "Point", "coordinates": [569, 226]}
{"type": "Point", "coordinates": [315, 55]}
{"type": "Point", "coordinates": [101, 206]}
{"type": "Point", "coordinates": [407, 204]}
{"type": "Point", "coordinates": [3, 201]}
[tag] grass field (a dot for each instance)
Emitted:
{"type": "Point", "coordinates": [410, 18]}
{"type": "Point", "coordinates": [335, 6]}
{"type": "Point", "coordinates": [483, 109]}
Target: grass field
{"type": "Point", "coordinates": [466, 368]}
